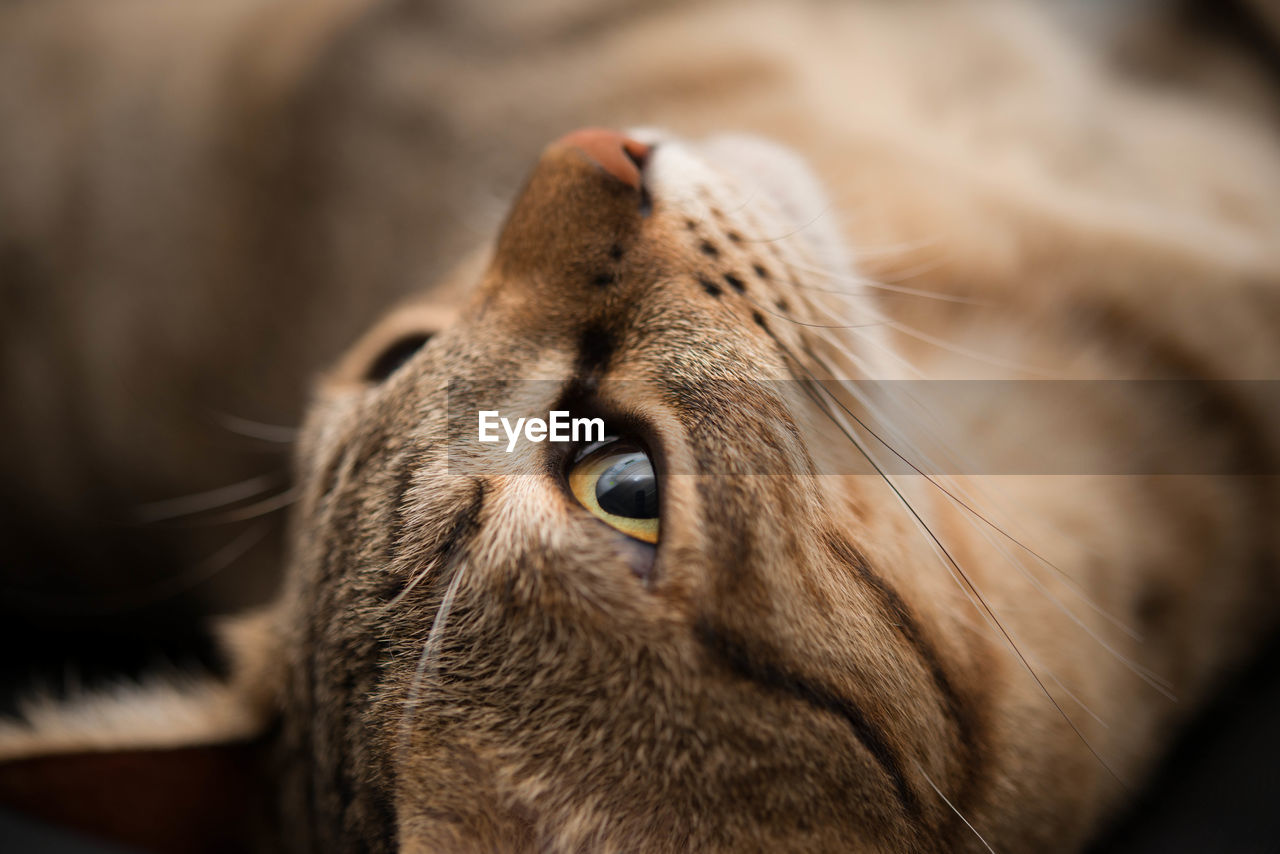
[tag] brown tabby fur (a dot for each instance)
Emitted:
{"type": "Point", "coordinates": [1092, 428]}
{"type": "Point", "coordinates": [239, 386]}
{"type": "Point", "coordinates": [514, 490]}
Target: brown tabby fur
{"type": "Point", "coordinates": [804, 668]}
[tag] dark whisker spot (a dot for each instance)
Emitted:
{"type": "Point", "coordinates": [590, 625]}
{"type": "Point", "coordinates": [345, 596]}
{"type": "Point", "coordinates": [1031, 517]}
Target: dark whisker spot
{"type": "Point", "coordinates": [615, 252]}
{"type": "Point", "coordinates": [603, 280]}
{"type": "Point", "coordinates": [759, 319]}
{"type": "Point", "coordinates": [735, 237]}
{"type": "Point", "coordinates": [690, 224]}
{"type": "Point", "coordinates": [760, 271]}
{"type": "Point", "coordinates": [709, 248]}
{"type": "Point", "coordinates": [710, 286]}
{"type": "Point", "coordinates": [717, 213]}
{"type": "Point", "coordinates": [736, 283]}
{"type": "Point", "coordinates": [782, 305]}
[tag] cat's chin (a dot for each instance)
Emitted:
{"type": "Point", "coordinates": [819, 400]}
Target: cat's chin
{"type": "Point", "coordinates": [747, 169]}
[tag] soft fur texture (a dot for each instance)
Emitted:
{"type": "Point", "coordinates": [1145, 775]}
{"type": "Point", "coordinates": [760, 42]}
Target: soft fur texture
{"type": "Point", "coordinates": [462, 659]}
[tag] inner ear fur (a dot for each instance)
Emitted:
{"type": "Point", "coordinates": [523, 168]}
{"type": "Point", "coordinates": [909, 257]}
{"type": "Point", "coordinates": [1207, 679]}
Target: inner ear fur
{"type": "Point", "coordinates": [176, 763]}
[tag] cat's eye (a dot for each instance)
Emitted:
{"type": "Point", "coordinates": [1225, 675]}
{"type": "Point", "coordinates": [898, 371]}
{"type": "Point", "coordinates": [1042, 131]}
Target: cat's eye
{"type": "Point", "coordinates": [395, 355]}
{"type": "Point", "coordinates": [615, 481]}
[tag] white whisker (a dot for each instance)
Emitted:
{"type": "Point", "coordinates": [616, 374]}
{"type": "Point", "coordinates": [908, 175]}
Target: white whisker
{"type": "Point", "coordinates": [973, 518]}
{"type": "Point", "coordinates": [886, 285]}
{"type": "Point", "coordinates": [949, 563]}
{"type": "Point", "coordinates": [259, 508]}
{"type": "Point", "coordinates": [947, 801]}
{"type": "Point", "coordinates": [249, 428]}
{"type": "Point", "coordinates": [819, 215]}
{"type": "Point", "coordinates": [968, 353]}
{"type": "Point", "coordinates": [200, 502]}
{"type": "Point", "coordinates": [902, 247]}
{"type": "Point", "coordinates": [408, 588]}
{"type": "Point", "coordinates": [859, 365]}
{"type": "Point", "coordinates": [428, 656]}
{"type": "Point", "coordinates": [953, 490]}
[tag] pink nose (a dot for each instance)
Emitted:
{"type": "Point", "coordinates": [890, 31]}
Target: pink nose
{"type": "Point", "coordinates": [621, 157]}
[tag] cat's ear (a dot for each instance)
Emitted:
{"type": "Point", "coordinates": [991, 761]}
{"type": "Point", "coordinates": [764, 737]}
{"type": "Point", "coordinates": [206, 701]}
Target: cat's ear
{"type": "Point", "coordinates": [175, 763]}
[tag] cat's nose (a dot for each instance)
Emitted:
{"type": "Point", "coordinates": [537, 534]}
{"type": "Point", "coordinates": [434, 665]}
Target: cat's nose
{"type": "Point", "coordinates": [584, 203]}
{"type": "Point", "coordinates": [618, 155]}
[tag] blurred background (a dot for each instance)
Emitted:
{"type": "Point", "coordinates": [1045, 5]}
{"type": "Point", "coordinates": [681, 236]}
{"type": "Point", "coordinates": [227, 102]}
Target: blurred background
{"type": "Point", "coordinates": [203, 203]}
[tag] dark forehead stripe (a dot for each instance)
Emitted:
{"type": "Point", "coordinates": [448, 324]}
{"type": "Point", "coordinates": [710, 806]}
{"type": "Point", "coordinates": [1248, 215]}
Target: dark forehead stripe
{"type": "Point", "coordinates": [448, 539]}
{"type": "Point", "coordinates": [745, 659]}
{"type": "Point", "coordinates": [962, 715]}
{"type": "Point", "coordinates": [462, 529]}
{"type": "Point", "coordinates": [403, 480]}
{"type": "Point", "coordinates": [595, 351]}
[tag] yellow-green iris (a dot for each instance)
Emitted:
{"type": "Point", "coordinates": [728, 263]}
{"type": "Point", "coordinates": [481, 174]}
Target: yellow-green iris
{"type": "Point", "coordinates": [617, 485]}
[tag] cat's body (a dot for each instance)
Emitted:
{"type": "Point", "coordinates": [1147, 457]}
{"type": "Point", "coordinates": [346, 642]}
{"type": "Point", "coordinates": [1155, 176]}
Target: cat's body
{"type": "Point", "coordinates": [463, 659]}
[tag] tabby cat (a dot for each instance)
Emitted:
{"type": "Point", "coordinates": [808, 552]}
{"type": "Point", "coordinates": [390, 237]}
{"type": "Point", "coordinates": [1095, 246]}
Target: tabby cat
{"type": "Point", "coordinates": [817, 588]}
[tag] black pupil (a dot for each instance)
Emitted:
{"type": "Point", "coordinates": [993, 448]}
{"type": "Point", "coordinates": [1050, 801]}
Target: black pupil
{"type": "Point", "coordinates": [628, 488]}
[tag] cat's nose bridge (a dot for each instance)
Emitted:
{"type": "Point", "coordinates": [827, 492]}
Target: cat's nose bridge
{"type": "Point", "coordinates": [583, 206]}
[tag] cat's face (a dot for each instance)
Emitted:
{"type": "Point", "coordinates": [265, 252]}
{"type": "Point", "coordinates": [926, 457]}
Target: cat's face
{"type": "Point", "coordinates": [486, 659]}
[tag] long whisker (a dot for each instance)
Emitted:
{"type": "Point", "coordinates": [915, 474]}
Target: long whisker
{"type": "Point", "coordinates": [967, 352]}
{"type": "Point", "coordinates": [430, 650]}
{"type": "Point", "coordinates": [967, 505]}
{"type": "Point", "coordinates": [1147, 675]}
{"type": "Point", "coordinates": [819, 215]}
{"type": "Point", "coordinates": [848, 294]}
{"type": "Point", "coordinates": [902, 247]}
{"type": "Point", "coordinates": [1158, 683]}
{"type": "Point", "coordinates": [884, 285]}
{"type": "Point", "coordinates": [408, 588]}
{"type": "Point", "coordinates": [952, 806]}
{"type": "Point", "coordinates": [829, 313]}
{"type": "Point", "coordinates": [1052, 676]}
{"type": "Point", "coordinates": [908, 273]}
{"type": "Point", "coordinates": [949, 493]}
{"type": "Point", "coordinates": [953, 567]}
{"type": "Point", "coordinates": [809, 324]}
{"type": "Point", "coordinates": [859, 364]}
{"type": "Point", "coordinates": [267, 505]}
{"type": "Point", "coordinates": [200, 502]}
{"type": "Point", "coordinates": [1062, 574]}
{"type": "Point", "coordinates": [742, 205]}
{"type": "Point", "coordinates": [198, 574]}
{"type": "Point", "coordinates": [249, 428]}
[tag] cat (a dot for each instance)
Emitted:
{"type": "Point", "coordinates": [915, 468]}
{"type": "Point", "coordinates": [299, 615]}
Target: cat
{"type": "Point", "coordinates": [821, 626]}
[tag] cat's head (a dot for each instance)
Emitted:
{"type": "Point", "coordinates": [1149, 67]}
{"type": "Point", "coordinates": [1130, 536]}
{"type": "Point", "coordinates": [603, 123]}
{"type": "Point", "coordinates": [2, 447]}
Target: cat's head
{"type": "Point", "coordinates": [491, 649]}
